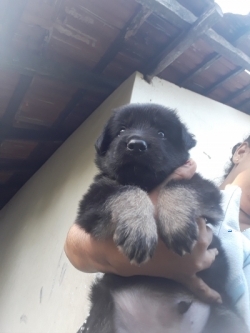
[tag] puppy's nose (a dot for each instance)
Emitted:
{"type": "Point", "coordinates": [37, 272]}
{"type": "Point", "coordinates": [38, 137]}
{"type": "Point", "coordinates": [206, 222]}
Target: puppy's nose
{"type": "Point", "coordinates": [137, 145]}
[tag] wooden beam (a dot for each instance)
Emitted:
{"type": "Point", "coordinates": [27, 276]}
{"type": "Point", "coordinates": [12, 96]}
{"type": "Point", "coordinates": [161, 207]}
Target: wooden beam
{"type": "Point", "coordinates": [236, 94]}
{"type": "Point", "coordinates": [129, 30]}
{"type": "Point", "coordinates": [181, 17]}
{"type": "Point", "coordinates": [211, 59]}
{"type": "Point", "coordinates": [227, 50]}
{"type": "Point", "coordinates": [8, 189]}
{"type": "Point", "coordinates": [16, 99]}
{"type": "Point", "coordinates": [14, 169]}
{"type": "Point", "coordinates": [183, 41]}
{"type": "Point", "coordinates": [30, 64]}
{"type": "Point", "coordinates": [224, 79]}
{"type": "Point", "coordinates": [76, 98]}
{"type": "Point", "coordinates": [242, 104]}
{"type": "Point", "coordinates": [3, 203]}
{"type": "Point", "coordinates": [6, 194]}
{"type": "Point", "coordinates": [13, 165]}
{"type": "Point", "coordinates": [170, 10]}
{"type": "Point", "coordinates": [31, 135]}
{"type": "Point", "coordinates": [202, 67]}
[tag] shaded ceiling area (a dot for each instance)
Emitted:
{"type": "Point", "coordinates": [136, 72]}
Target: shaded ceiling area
{"type": "Point", "coordinates": [60, 59]}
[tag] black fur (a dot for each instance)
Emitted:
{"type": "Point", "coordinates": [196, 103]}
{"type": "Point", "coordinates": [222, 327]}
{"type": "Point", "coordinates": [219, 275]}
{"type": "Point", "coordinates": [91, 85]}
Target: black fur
{"type": "Point", "coordinates": [139, 147]}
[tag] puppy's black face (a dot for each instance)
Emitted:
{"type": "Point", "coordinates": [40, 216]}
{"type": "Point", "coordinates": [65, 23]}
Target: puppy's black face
{"type": "Point", "coordinates": [142, 144]}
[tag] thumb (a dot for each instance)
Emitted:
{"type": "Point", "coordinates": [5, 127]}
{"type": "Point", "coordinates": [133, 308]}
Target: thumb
{"type": "Point", "coordinates": [202, 290]}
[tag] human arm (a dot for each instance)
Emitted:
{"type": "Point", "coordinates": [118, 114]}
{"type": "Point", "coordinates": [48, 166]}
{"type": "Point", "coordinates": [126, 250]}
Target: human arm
{"type": "Point", "coordinates": [243, 181]}
{"type": "Point", "coordinates": [89, 255]}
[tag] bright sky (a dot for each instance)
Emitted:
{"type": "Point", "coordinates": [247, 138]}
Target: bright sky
{"type": "Point", "coordinates": [234, 6]}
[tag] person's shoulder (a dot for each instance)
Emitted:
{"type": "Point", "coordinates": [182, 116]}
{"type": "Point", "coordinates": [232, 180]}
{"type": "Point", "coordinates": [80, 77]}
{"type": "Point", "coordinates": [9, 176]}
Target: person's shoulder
{"type": "Point", "coordinates": [243, 181]}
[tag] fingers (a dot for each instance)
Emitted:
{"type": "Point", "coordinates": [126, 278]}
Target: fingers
{"type": "Point", "coordinates": [205, 234]}
{"type": "Point", "coordinates": [186, 171]}
{"type": "Point", "coordinates": [208, 259]}
{"type": "Point", "coordinates": [205, 256]}
{"type": "Point", "coordinates": [202, 290]}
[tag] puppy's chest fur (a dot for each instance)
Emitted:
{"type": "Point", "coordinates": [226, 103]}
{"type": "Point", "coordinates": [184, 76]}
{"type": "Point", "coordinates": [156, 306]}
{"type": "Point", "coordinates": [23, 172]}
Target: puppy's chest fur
{"type": "Point", "coordinates": [141, 310]}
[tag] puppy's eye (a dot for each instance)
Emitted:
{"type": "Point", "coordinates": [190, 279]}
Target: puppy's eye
{"type": "Point", "coordinates": [122, 130]}
{"type": "Point", "coordinates": [161, 134]}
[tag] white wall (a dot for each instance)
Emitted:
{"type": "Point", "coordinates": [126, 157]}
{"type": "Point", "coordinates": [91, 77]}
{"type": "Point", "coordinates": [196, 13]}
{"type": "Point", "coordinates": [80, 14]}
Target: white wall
{"type": "Point", "coordinates": [217, 127]}
{"type": "Point", "coordinates": [39, 290]}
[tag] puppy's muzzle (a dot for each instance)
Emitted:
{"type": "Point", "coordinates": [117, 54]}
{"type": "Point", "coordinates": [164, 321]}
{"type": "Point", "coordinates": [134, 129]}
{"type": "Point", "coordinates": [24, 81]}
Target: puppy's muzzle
{"type": "Point", "coordinates": [137, 146]}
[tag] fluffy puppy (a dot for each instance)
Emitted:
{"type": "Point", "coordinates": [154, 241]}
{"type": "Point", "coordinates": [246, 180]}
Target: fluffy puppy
{"type": "Point", "coordinates": [140, 146]}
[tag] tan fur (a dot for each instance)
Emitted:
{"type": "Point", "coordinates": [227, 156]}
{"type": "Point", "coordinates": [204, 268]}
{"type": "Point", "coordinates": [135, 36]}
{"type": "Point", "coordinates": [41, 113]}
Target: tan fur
{"type": "Point", "coordinates": [133, 215]}
{"type": "Point", "coordinates": [175, 211]}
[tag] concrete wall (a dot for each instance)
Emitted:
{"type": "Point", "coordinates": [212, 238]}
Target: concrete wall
{"type": "Point", "coordinates": [39, 290]}
{"type": "Point", "coordinates": [217, 127]}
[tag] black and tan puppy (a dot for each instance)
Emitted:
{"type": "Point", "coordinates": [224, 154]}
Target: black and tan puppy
{"type": "Point", "coordinates": [140, 146]}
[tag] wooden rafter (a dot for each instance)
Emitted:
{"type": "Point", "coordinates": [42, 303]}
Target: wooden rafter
{"type": "Point", "coordinates": [30, 64]}
{"type": "Point", "coordinates": [15, 101]}
{"type": "Point", "coordinates": [170, 10]}
{"type": "Point", "coordinates": [183, 41]}
{"type": "Point", "coordinates": [245, 102]}
{"type": "Point", "coordinates": [211, 59]}
{"type": "Point", "coordinates": [227, 50]}
{"type": "Point", "coordinates": [223, 80]}
{"type": "Point", "coordinates": [129, 30]}
{"type": "Point", "coordinates": [10, 165]}
{"type": "Point", "coordinates": [8, 189]}
{"type": "Point", "coordinates": [202, 67]}
{"type": "Point", "coordinates": [236, 94]}
{"type": "Point", "coordinates": [76, 98]}
{"type": "Point", "coordinates": [31, 135]}
{"type": "Point", "coordinates": [182, 18]}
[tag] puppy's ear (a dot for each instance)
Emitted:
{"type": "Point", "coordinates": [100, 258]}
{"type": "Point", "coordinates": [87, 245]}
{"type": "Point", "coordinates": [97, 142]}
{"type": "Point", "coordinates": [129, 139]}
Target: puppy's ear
{"type": "Point", "coordinates": [104, 140]}
{"type": "Point", "coordinates": [188, 138]}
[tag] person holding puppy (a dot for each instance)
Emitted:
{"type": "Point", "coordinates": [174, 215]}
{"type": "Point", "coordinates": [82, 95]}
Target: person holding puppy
{"type": "Point", "coordinates": [89, 255]}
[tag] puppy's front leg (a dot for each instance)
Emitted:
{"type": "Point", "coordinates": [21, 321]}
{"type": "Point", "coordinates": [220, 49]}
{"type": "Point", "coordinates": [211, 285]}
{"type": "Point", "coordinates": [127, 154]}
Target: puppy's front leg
{"type": "Point", "coordinates": [136, 232]}
{"type": "Point", "coordinates": [180, 204]}
{"type": "Point", "coordinates": [176, 217]}
{"type": "Point", "coordinates": [122, 212]}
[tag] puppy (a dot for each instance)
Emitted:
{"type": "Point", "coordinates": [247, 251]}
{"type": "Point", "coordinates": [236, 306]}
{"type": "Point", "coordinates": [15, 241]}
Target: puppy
{"type": "Point", "coordinates": [140, 146]}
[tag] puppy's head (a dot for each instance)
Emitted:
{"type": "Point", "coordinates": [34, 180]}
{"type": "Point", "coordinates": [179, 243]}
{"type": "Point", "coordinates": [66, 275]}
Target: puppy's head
{"type": "Point", "coordinates": [142, 144]}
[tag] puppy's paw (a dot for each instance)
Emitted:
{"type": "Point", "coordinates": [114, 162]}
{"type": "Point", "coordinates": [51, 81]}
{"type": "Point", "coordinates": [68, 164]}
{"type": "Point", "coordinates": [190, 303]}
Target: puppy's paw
{"type": "Point", "coordinates": [136, 232]}
{"type": "Point", "coordinates": [137, 243]}
{"type": "Point", "coordinates": [176, 219]}
{"type": "Point", "coordinates": [179, 239]}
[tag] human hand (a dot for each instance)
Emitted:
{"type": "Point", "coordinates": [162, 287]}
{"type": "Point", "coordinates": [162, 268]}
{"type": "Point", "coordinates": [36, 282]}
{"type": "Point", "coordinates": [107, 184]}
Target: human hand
{"type": "Point", "coordinates": [90, 255]}
{"type": "Point", "coordinates": [186, 267]}
{"type": "Point", "coordinates": [186, 171]}
{"type": "Point", "coordinates": [168, 264]}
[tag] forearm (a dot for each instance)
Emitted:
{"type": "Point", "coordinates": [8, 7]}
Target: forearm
{"type": "Point", "coordinates": [91, 256]}
{"type": "Point", "coordinates": [82, 253]}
